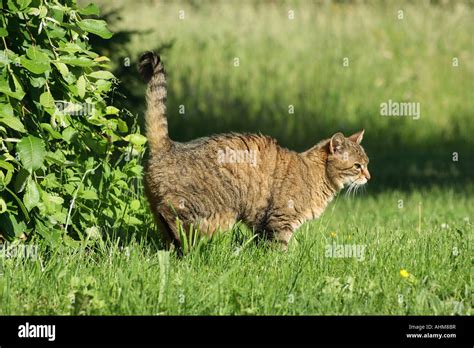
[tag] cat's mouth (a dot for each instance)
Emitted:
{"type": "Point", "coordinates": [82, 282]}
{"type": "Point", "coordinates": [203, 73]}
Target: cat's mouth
{"type": "Point", "coordinates": [354, 185]}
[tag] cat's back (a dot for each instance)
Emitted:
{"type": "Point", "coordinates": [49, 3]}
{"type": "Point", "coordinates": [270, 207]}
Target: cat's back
{"type": "Point", "coordinates": [231, 160]}
{"type": "Point", "coordinates": [221, 149]}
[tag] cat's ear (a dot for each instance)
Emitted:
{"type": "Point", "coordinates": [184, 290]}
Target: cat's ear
{"type": "Point", "coordinates": [357, 137]}
{"type": "Point", "coordinates": [335, 144]}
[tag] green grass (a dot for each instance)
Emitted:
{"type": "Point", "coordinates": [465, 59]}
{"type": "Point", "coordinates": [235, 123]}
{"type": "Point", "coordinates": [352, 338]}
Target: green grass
{"type": "Point", "coordinates": [232, 275]}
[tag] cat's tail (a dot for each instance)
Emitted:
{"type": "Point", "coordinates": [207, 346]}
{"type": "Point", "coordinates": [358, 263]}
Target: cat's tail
{"type": "Point", "coordinates": [151, 68]}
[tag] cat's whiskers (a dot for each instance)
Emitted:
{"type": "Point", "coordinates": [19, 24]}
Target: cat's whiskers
{"type": "Point", "coordinates": [353, 188]}
{"type": "Point", "coordinates": [357, 188]}
{"type": "Point", "coordinates": [350, 188]}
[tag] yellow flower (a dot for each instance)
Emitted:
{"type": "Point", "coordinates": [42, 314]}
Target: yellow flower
{"type": "Point", "coordinates": [404, 273]}
{"type": "Point", "coordinates": [333, 234]}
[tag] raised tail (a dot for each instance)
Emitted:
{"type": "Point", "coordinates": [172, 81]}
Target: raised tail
{"type": "Point", "coordinates": [152, 70]}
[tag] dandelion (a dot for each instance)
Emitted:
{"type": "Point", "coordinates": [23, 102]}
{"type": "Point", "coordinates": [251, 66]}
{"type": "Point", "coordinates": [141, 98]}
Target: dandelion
{"type": "Point", "coordinates": [404, 273]}
{"type": "Point", "coordinates": [333, 234]}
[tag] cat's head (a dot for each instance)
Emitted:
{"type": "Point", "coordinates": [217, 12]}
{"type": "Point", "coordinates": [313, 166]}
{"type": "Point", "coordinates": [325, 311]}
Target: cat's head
{"type": "Point", "coordinates": [347, 162]}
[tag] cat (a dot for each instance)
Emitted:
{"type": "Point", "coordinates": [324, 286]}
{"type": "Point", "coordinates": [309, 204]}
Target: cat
{"type": "Point", "coordinates": [211, 183]}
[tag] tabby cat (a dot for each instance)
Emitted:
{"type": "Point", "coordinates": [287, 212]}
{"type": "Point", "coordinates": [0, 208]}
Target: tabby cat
{"type": "Point", "coordinates": [211, 183]}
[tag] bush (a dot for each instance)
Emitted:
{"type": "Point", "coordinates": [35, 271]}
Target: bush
{"type": "Point", "coordinates": [69, 159]}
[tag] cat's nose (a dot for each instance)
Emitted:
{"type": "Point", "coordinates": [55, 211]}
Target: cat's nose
{"type": "Point", "coordinates": [367, 174]}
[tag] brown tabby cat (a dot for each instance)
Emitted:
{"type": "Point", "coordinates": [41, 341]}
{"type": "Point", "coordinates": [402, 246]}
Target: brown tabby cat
{"type": "Point", "coordinates": [211, 183]}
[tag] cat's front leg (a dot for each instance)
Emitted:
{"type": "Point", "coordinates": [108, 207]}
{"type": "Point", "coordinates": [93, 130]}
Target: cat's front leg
{"type": "Point", "coordinates": [280, 226]}
{"type": "Point", "coordinates": [282, 238]}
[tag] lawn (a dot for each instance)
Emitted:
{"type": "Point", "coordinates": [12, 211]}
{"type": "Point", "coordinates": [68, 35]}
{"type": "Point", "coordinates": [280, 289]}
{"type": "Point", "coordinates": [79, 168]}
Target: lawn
{"type": "Point", "coordinates": [233, 274]}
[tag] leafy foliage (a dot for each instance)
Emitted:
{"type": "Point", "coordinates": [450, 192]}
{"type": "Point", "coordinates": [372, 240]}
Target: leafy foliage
{"type": "Point", "coordinates": [69, 159]}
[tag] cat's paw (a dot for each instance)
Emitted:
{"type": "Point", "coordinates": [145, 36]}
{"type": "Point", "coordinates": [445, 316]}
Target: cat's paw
{"type": "Point", "coordinates": [279, 245]}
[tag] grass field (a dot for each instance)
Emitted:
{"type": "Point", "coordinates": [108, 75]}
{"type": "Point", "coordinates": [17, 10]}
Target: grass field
{"type": "Point", "coordinates": [413, 223]}
{"type": "Point", "coordinates": [232, 274]}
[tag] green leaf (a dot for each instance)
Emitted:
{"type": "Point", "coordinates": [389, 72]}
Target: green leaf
{"type": "Point", "coordinates": [47, 100]}
{"type": "Point", "coordinates": [111, 110]}
{"type": "Point", "coordinates": [43, 11]}
{"type": "Point", "coordinates": [102, 74]}
{"type": "Point", "coordinates": [34, 11]}
{"type": "Point", "coordinates": [17, 93]}
{"type": "Point", "coordinates": [32, 196]}
{"type": "Point", "coordinates": [56, 157]}
{"type": "Point", "coordinates": [20, 180]}
{"type": "Point", "coordinates": [89, 10]}
{"type": "Point", "coordinates": [8, 177]}
{"type": "Point", "coordinates": [122, 126]}
{"type": "Point", "coordinates": [54, 133]}
{"type": "Point", "coordinates": [70, 47]}
{"type": "Point", "coordinates": [96, 26]}
{"type": "Point", "coordinates": [136, 139]}
{"type": "Point", "coordinates": [103, 86]}
{"type": "Point", "coordinates": [13, 123]}
{"type": "Point", "coordinates": [77, 61]}
{"type": "Point", "coordinates": [37, 54]}
{"type": "Point", "coordinates": [62, 68]}
{"type": "Point", "coordinates": [135, 204]}
{"type": "Point", "coordinates": [3, 206]}
{"type": "Point", "coordinates": [11, 6]}
{"type": "Point", "coordinates": [81, 86]}
{"type": "Point", "coordinates": [88, 194]}
{"type": "Point", "coordinates": [4, 59]}
{"type": "Point", "coordinates": [6, 165]}
{"type": "Point", "coordinates": [69, 134]}
{"type": "Point", "coordinates": [37, 82]}
{"type": "Point", "coordinates": [3, 32]}
{"type": "Point", "coordinates": [7, 118]}
{"type": "Point", "coordinates": [32, 152]}
{"type": "Point", "coordinates": [6, 110]}
{"type": "Point", "coordinates": [132, 220]}
{"type": "Point", "coordinates": [38, 61]}
{"type": "Point", "coordinates": [23, 3]}
{"type": "Point", "coordinates": [34, 66]}
{"type": "Point", "coordinates": [51, 236]}
{"type": "Point", "coordinates": [10, 226]}
{"type": "Point", "coordinates": [55, 199]}
{"type": "Point", "coordinates": [55, 31]}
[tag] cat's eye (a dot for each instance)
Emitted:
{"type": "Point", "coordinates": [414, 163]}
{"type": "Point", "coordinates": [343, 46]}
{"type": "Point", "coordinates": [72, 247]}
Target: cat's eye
{"type": "Point", "coordinates": [357, 165]}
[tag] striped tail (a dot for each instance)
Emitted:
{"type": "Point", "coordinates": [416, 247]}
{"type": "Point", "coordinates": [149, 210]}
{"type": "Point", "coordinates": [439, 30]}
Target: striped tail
{"type": "Point", "coordinates": [152, 70]}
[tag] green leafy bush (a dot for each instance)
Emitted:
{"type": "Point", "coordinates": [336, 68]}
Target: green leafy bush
{"type": "Point", "coordinates": [69, 160]}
